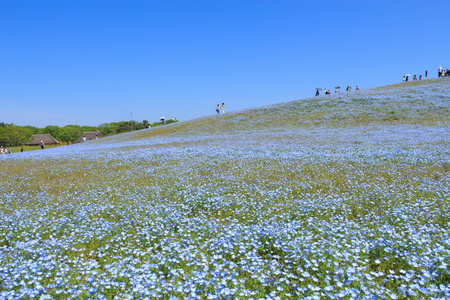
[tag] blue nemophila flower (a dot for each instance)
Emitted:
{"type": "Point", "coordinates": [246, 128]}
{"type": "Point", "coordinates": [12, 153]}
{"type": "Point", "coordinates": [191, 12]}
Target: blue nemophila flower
{"type": "Point", "coordinates": [294, 212]}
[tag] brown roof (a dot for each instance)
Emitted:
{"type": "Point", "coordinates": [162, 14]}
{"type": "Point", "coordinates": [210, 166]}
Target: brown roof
{"type": "Point", "coordinates": [39, 138]}
{"type": "Point", "coordinates": [90, 135]}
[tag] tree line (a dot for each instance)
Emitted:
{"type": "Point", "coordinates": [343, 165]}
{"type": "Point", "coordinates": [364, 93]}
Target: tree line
{"type": "Point", "coordinates": [13, 135]}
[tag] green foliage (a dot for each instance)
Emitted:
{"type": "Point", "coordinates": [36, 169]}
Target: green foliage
{"type": "Point", "coordinates": [16, 135]}
{"type": "Point", "coordinates": [105, 128]}
{"type": "Point", "coordinates": [2, 124]}
{"type": "Point", "coordinates": [70, 133]}
{"type": "Point", "coordinates": [54, 131]}
{"type": "Point", "coordinates": [34, 130]}
{"type": "Point", "coordinates": [12, 135]}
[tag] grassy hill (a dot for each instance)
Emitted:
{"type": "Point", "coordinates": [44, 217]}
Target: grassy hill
{"type": "Point", "coordinates": [338, 196]}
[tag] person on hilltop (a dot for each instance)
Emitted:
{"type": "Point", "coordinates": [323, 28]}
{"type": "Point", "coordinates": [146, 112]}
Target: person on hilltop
{"type": "Point", "coordinates": [404, 78]}
{"type": "Point", "coordinates": [173, 119]}
{"type": "Point", "coordinates": [317, 93]}
{"type": "Point", "coordinates": [414, 77]}
{"type": "Point", "coordinates": [439, 71]}
{"type": "Point", "coordinates": [420, 77]}
{"type": "Point", "coordinates": [357, 88]}
{"type": "Point", "coordinates": [223, 107]}
{"type": "Point", "coordinates": [218, 109]}
{"type": "Point", "coordinates": [349, 88]}
{"type": "Point", "coordinates": [426, 74]}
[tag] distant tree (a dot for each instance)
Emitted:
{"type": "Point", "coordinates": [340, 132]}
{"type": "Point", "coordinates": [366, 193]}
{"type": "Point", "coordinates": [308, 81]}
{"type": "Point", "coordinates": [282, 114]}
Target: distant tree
{"type": "Point", "coordinates": [34, 130]}
{"type": "Point", "coordinates": [89, 128]}
{"type": "Point", "coordinates": [145, 122]}
{"type": "Point", "coordinates": [105, 128]}
{"type": "Point", "coordinates": [71, 133]}
{"type": "Point", "coordinates": [123, 126]}
{"type": "Point", "coordinates": [2, 124]}
{"type": "Point", "coordinates": [113, 127]}
{"type": "Point", "coordinates": [55, 131]}
{"type": "Point", "coordinates": [13, 136]}
{"type": "Point", "coordinates": [138, 126]}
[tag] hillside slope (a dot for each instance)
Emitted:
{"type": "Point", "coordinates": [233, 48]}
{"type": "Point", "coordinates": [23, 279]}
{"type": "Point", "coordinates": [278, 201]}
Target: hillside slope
{"type": "Point", "coordinates": [340, 196]}
{"type": "Point", "coordinates": [424, 102]}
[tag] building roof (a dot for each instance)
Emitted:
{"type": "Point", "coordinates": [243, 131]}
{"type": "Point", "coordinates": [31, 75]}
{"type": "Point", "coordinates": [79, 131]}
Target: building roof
{"type": "Point", "coordinates": [39, 138]}
{"type": "Point", "coordinates": [90, 135]}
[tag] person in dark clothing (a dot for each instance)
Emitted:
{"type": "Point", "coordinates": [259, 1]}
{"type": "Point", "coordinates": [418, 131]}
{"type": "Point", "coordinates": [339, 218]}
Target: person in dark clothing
{"type": "Point", "coordinates": [317, 93]}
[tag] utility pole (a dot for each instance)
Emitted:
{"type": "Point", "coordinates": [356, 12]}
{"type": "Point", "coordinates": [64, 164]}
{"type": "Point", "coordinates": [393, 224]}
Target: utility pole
{"type": "Point", "coordinates": [131, 122]}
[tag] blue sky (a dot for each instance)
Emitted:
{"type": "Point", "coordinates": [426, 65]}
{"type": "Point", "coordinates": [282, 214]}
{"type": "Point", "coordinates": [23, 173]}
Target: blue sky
{"type": "Point", "coordinates": [91, 62]}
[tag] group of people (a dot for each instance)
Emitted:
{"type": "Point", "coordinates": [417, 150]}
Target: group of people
{"type": "Point", "coordinates": [163, 121]}
{"type": "Point", "coordinates": [219, 107]}
{"type": "Point", "coordinates": [327, 91]}
{"type": "Point", "coordinates": [5, 150]}
{"type": "Point", "coordinates": [443, 73]}
{"type": "Point", "coordinates": [406, 77]}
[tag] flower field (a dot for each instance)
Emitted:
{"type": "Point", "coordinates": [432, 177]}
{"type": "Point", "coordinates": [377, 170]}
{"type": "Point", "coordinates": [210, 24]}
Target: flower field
{"type": "Point", "coordinates": [343, 197]}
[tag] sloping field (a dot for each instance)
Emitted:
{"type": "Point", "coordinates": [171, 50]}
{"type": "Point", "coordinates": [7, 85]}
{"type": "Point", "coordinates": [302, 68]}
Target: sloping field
{"type": "Point", "coordinates": [341, 196]}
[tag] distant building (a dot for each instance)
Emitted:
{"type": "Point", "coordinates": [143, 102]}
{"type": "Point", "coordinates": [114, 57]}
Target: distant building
{"type": "Point", "coordinates": [89, 135]}
{"type": "Point", "coordinates": [45, 138]}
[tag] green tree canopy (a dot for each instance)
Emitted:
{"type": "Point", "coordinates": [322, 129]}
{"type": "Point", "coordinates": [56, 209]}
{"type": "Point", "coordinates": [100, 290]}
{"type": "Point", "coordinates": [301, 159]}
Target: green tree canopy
{"type": "Point", "coordinates": [71, 133]}
{"type": "Point", "coordinates": [13, 136]}
{"type": "Point", "coordinates": [55, 131]}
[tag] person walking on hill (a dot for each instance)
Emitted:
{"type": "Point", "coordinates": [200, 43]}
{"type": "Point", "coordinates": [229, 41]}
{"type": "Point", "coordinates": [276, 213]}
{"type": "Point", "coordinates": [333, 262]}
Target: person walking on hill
{"type": "Point", "coordinates": [420, 77]}
{"type": "Point", "coordinates": [349, 88]}
{"type": "Point", "coordinates": [223, 107]}
{"type": "Point", "coordinates": [404, 78]}
{"type": "Point", "coordinates": [415, 77]}
{"type": "Point", "coordinates": [439, 71]}
{"type": "Point", "coordinates": [218, 109]}
{"type": "Point", "coordinates": [357, 88]}
{"type": "Point", "coordinates": [426, 74]}
{"type": "Point", "coordinates": [317, 93]}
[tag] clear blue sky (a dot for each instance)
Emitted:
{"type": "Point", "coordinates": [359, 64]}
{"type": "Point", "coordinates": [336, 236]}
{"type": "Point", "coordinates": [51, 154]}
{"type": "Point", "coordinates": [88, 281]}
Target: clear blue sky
{"type": "Point", "coordinates": [89, 62]}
